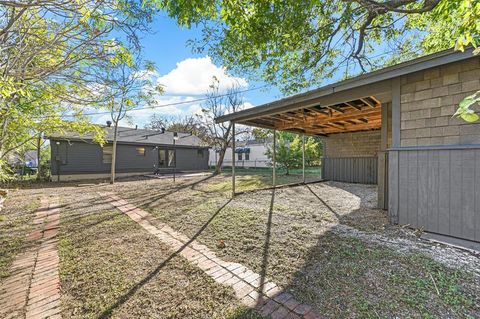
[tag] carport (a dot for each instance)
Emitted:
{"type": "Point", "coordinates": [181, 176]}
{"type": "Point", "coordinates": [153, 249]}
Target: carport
{"type": "Point", "coordinates": [353, 127]}
{"type": "Point", "coordinates": [396, 128]}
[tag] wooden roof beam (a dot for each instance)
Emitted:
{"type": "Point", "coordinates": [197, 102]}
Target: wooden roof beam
{"type": "Point", "coordinates": [356, 107]}
{"type": "Point", "coordinates": [351, 115]}
{"type": "Point", "coordinates": [335, 108]}
{"type": "Point", "coordinates": [337, 125]}
{"type": "Point", "coordinates": [367, 102]}
{"type": "Point", "coordinates": [376, 100]}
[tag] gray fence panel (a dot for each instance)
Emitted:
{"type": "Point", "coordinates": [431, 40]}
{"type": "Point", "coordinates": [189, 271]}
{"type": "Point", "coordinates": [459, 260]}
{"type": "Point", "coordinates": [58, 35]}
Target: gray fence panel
{"type": "Point", "coordinates": [351, 169]}
{"type": "Point", "coordinates": [437, 190]}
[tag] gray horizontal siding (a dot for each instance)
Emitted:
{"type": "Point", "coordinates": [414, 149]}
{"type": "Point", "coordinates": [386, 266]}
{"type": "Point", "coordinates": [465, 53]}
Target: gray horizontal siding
{"type": "Point", "coordinates": [81, 157]}
{"type": "Point", "coordinates": [437, 190]}
{"type": "Point", "coordinates": [350, 169]}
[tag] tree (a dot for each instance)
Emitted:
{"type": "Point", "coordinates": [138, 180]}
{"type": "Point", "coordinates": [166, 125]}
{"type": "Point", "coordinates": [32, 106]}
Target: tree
{"type": "Point", "coordinates": [185, 124]}
{"type": "Point", "coordinates": [298, 44]}
{"type": "Point", "coordinates": [51, 54]}
{"type": "Point", "coordinates": [127, 85]}
{"type": "Point", "coordinates": [220, 134]}
{"type": "Point", "coordinates": [261, 133]}
{"type": "Point", "coordinates": [289, 151]}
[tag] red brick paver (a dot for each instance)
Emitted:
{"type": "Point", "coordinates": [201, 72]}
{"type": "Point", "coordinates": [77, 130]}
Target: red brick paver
{"type": "Point", "coordinates": [269, 300]}
{"type": "Point", "coordinates": [33, 289]}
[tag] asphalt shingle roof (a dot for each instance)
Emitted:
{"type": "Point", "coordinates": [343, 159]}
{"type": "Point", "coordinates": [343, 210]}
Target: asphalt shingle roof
{"type": "Point", "coordinates": [128, 135]}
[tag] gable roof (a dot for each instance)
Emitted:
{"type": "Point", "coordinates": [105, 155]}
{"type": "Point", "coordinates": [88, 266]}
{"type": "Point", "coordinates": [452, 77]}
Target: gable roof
{"type": "Point", "coordinates": [128, 135]}
{"type": "Point", "coordinates": [415, 65]}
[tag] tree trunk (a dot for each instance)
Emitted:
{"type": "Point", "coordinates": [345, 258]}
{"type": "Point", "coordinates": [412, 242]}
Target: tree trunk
{"type": "Point", "coordinates": [114, 154]}
{"type": "Point", "coordinates": [39, 146]}
{"type": "Point", "coordinates": [223, 150]}
{"type": "Point", "coordinates": [221, 157]}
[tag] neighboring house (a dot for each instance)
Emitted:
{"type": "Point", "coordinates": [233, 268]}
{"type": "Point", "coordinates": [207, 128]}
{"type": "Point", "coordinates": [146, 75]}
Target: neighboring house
{"type": "Point", "coordinates": [28, 158]}
{"type": "Point", "coordinates": [395, 127]}
{"type": "Point", "coordinates": [139, 152]}
{"type": "Point", "coordinates": [247, 154]}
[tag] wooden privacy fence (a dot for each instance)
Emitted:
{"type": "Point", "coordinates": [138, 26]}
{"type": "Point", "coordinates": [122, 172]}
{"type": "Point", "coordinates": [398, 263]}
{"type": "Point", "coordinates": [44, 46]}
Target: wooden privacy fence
{"type": "Point", "coordinates": [437, 189]}
{"type": "Point", "coordinates": [350, 169]}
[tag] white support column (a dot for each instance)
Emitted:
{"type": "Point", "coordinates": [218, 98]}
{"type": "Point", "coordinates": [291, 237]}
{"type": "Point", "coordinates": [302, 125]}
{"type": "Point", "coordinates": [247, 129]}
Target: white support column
{"type": "Point", "coordinates": [396, 114]}
{"type": "Point", "coordinates": [303, 158]}
{"type": "Point", "coordinates": [274, 169]}
{"type": "Point", "coordinates": [233, 160]}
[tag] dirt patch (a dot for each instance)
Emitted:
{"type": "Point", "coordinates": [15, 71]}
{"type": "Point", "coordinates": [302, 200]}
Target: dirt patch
{"type": "Point", "coordinates": [327, 243]}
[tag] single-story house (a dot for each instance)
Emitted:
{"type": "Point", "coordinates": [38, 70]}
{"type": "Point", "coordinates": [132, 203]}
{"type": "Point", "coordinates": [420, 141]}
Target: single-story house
{"type": "Point", "coordinates": [248, 154]}
{"type": "Point", "coordinates": [139, 152]}
{"type": "Point", "coordinates": [394, 127]}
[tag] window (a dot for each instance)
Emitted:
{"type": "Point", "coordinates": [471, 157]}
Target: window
{"type": "Point", "coordinates": [162, 158]}
{"type": "Point", "coordinates": [166, 158]}
{"type": "Point", "coordinates": [171, 158]}
{"type": "Point", "coordinates": [239, 156]}
{"type": "Point", "coordinates": [107, 152]}
{"type": "Point", "coordinates": [247, 156]}
{"type": "Point", "coordinates": [140, 151]}
{"type": "Point", "coordinates": [200, 153]}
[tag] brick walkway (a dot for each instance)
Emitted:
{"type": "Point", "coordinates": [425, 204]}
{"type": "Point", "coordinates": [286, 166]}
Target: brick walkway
{"type": "Point", "coordinates": [33, 289]}
{"type": "Point", "coordinates": [269, 300]}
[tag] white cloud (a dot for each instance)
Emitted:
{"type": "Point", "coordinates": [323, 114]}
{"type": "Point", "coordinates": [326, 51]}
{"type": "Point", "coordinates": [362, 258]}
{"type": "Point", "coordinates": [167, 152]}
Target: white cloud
{"type": "Point", "coordinates": [186, 83]}
{"type": "Point", "coordinates": [193, 77]}
{"type": "Point", "coordinates": [142, 117]}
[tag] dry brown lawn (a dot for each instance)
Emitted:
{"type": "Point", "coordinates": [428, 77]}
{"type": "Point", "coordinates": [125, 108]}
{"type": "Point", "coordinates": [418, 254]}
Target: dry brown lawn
{"type": "Point", "coordinates": [324, 242]}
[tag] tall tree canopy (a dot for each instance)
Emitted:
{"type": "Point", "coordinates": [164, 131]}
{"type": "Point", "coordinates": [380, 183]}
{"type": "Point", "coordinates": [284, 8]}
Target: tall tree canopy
{"type": "Point", "coordinates": [52, 54]}
{"type": "Point", "coordinates": [297, 44]}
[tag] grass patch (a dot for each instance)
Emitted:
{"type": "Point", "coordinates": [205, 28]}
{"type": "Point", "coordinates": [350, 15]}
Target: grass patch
{"type": "Point", "coordinates": [347, 277]}
{"type": "Point", "coordinates": [15, 223]}
{"type": "Point", "coordinates": [255, 178]}
{"type": "Point", "coordinates": [110, 266]}
{"type": "Point", "coordinates": [104, 254]}
{"type": "Point", "coordinates": [242, 183]}
{"type": "Point", "coordinates": [340, 276]}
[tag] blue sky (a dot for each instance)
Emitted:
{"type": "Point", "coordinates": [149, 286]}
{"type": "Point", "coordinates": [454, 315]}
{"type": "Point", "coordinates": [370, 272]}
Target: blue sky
{"type": "Point", "coordinates": [185, 75]}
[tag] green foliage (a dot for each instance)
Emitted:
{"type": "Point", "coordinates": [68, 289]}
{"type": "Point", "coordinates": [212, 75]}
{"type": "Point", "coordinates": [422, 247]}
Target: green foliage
{"type": "Point", "coordinates": [53, 53]}
{"type": "Point", "coordinates": [451, 23]}
{"type": "Point", "coordinates": [261, 133]}
{"type": "Point", "coordinates": [289, 151]}
{"type": "Point", "coordinates": [464, 110]}
{"type": "Point", "coordinates": [298, 44]}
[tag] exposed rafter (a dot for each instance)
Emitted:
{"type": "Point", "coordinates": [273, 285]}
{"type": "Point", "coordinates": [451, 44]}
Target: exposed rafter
{"type": "Point", "coordinates": [357, 115]}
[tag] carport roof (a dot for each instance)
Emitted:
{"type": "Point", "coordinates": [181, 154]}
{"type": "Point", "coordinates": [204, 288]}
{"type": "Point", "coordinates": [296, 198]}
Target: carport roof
{"type": "Point", "coordinates": [291, 113]}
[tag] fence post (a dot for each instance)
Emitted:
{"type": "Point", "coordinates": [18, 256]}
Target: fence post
{"type": "Point", "coordinates": [233, 159]}
{"type": "Point", "coordinates": [303, 157]}
{"type": "Point", "coordinates": [274, 171]}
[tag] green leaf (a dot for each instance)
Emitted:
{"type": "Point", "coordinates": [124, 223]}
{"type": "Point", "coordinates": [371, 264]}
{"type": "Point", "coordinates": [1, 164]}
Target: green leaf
{"type": "Point", "coordinates": [470, 117]}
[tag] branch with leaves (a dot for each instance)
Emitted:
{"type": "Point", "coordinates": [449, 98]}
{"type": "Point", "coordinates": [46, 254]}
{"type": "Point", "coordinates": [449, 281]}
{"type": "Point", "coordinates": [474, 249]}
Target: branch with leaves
{"type": "Point", "coordinates": [298, 44]}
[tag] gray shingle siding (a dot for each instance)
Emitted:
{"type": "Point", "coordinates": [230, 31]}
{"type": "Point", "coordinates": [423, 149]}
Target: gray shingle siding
{"type": "Point", "coordinates": [82, 157]}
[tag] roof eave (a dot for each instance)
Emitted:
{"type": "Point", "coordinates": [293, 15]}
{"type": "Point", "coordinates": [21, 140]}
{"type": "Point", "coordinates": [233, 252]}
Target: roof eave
{"type": "Point", "coordinates": [89, 140]}
{"type": "Point", "coordinates": [419, 64]}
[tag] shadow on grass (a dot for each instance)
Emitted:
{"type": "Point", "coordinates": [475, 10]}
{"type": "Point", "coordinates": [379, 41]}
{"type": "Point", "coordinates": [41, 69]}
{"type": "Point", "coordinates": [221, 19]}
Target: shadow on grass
{"type": "Point", "coordinates": [124, 298]}
{"type": "Point", "coordinates": [148, 198]}
{"type": "Point", "coordinates": [339, 275]}
{"type": "Point", "coordinates": [322, 201]}
{"type": "Point", "coordinates": [266, 246]}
